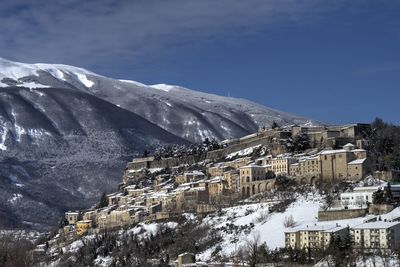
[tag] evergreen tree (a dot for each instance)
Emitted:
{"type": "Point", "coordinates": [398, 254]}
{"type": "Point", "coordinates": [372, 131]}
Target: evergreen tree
{"type": "Point", "coordinates": [389, 196]}
{"type": "Point", "coordinates": [103, 200]}
{"type": "Point", "coordinates": [378, 197]}
{"type": "Point", "coordinates": [146, 153]}
{"type": "Point", "coordinates": [274, 125]}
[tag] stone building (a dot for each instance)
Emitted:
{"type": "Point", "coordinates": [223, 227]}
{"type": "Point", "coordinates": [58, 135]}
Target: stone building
{"type": "Point", "coordinates": [308, 167]}
{"type": "Point", "coordinates": [185, 259]}
{"type": "Point", "coordinates": [335, 163]}
{"type": "Point", "coordinates": [334, 135]}
{"type": "Point", "coordinates": [188, 177]}
{"type": "Point", "coordinates": [252, 179]}
{"type": "Point", "coordinates": [217, 186]}
{"type": "Point", "coordinates": [188, 198]}
{"type": "Point", "coordinates": [72, 217]}
{"type": "Point", "coordinates": [232, 178]}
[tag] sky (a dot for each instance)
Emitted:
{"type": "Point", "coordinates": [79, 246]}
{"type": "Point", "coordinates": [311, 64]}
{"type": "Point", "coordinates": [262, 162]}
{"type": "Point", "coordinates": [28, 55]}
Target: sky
{"type": "Point", "coordinates": [334, 61]}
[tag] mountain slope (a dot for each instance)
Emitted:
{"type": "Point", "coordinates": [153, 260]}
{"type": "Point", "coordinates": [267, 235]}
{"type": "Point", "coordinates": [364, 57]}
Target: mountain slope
{"type": "Point", "coordinates": [189, 114]}
{"type": "Point", "coordinates": [61, 148]}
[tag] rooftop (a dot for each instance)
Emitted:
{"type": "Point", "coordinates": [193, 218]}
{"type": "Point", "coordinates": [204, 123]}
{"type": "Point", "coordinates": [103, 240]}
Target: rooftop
{"type": "Point", "coordinates": [316, 227]}
{"type": "Point", "coordinates": [376, 225]}
{"type": "Point", "coordinates": [357, 161]}
{"type": "Point", "coordinates": [253, 165]}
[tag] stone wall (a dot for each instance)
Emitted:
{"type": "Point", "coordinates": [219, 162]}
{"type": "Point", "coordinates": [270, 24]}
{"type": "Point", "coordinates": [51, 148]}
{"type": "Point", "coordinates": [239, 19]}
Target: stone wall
{"type": "Point", "coordinates": [260, 139]}
{"type": "Point", "coordinates": [378, 209]}
{"type": "Point", "coordinates": [342, 214]}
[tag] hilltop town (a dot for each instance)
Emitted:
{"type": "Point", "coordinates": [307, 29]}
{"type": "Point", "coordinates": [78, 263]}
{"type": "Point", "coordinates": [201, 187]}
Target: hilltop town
{"type": "Point", "coordinates": [155, 189]}
{"type": "Point", "coordinates": [213, 177]}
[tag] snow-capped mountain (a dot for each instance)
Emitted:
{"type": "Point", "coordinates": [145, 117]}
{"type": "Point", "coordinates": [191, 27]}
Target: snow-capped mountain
{"type": "Point", "coordinates": [189, 114]}
{"type": "Point", "coordinates": [66, 133]}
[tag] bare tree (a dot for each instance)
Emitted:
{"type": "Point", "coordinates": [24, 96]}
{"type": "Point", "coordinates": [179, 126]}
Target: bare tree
{"type": "Point", "coordinates": [251, 250]}
{"type": "Point", "coordinates": [289, 221]}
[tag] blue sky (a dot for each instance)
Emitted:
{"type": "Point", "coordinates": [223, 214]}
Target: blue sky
{"type": "Point", "coordinates": [336, 61]}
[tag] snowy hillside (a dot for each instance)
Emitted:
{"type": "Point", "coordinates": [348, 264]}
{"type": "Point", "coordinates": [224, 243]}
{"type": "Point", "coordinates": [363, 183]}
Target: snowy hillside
{"type": "Point", "coordinates": [219, 235]}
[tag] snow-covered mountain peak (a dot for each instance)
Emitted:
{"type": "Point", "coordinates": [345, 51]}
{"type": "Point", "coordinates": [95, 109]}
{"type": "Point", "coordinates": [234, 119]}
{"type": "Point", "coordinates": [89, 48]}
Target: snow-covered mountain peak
{"type": "Point", "coordinates": [163, 87]}
{"type": "Point", "coordinates": [16, 74]}
{"type": "Point", "coordinates": [190, 114]}
{"type": "Point", "coordinates": [134, 83]}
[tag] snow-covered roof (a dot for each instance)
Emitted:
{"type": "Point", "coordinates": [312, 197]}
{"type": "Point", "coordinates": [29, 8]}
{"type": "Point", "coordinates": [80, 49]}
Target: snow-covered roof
{"type": "Point", "coordinates": [253, 165]}
{"type": "Point", "coordinates": [357, 161]}
{"type": "Point", "coordinates": [335, 151]}
{"type": "Point", "coordinates": [72, 213]}
{"type": "Point", "coordinates": [216, 179]}
{"type": "Point", "coordinates": [376, 225]}
{"type": "Point", "coordinates": [194, 173]}
{"type": "Point", "coordinates": [349, 145]}
{"type": "Point", "coordinates": [316, 227]}
{"type": "Point", "coordinates": [359, 150]}
{"type": "Point", "coordinates": [366, 188]}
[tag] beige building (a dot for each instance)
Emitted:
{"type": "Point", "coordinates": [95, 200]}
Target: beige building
{"type": "Point", "coordinates": [252, 179]}
{"type": "Point", "coordinates": [187, 199]}
{"type": "Point", "coordinates": [335, 163]}
{"type": "Point", "coordinates": [132, 191]}
{"type": "Point", "coordinates": [357, 169]}
{"type": "Point", "coordinates": [377, 235]}
{"type": "Point", "coordinates": [72, 216]}
{"type": "Point", "coordinates": [308, 167]}
{"type": "Point", "coordinates": [281, 164]}
{"type": "Point", "coordinates": [315, 236]}
{"type": "Point", "coordinates": [233, 180]}
{"type": "Point", "coordinates": [186, 259]}
{"type": "Point", "coordinates": [217, 186]}
{"type": "Point", "coordinates": [238, 163]}
{"type": "Point", "coordinates": [218, 169]}
{"type": "Point", "coordinates": [90, 215]}
{"type": "Point", "coordinates": [188, 177]}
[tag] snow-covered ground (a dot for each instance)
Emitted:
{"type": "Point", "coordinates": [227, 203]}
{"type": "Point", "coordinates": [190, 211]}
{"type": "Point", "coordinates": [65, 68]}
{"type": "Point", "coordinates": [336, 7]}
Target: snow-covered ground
{"type": "Point", "coordinates": [243, 152]}
{"type": "Point", "coordinates": [270, 227]}
{"type": "Point", "coordinates": [375, 261]}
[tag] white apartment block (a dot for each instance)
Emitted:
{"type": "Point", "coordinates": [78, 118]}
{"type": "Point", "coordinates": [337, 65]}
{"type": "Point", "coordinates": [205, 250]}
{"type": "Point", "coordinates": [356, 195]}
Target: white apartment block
{"type": "Point", "coordinates": [359, 198]}
{"type": "Point", "coordinates": [314, 236]}
{"type": "Point", "coordinates": [377, 235]}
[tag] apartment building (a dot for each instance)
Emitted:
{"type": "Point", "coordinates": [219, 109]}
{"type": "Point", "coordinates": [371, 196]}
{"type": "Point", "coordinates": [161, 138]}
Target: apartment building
{"type": "Point", "coordinates": [232, 178]}
{"type": "Point", "coordinates": [314, 236]}
{"type": "Point", "coordinates": [309, 167]}
{"type": "Point", "coordinates": [281, 164]}
{"type": "Point", "coordinates": [377, 235]}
